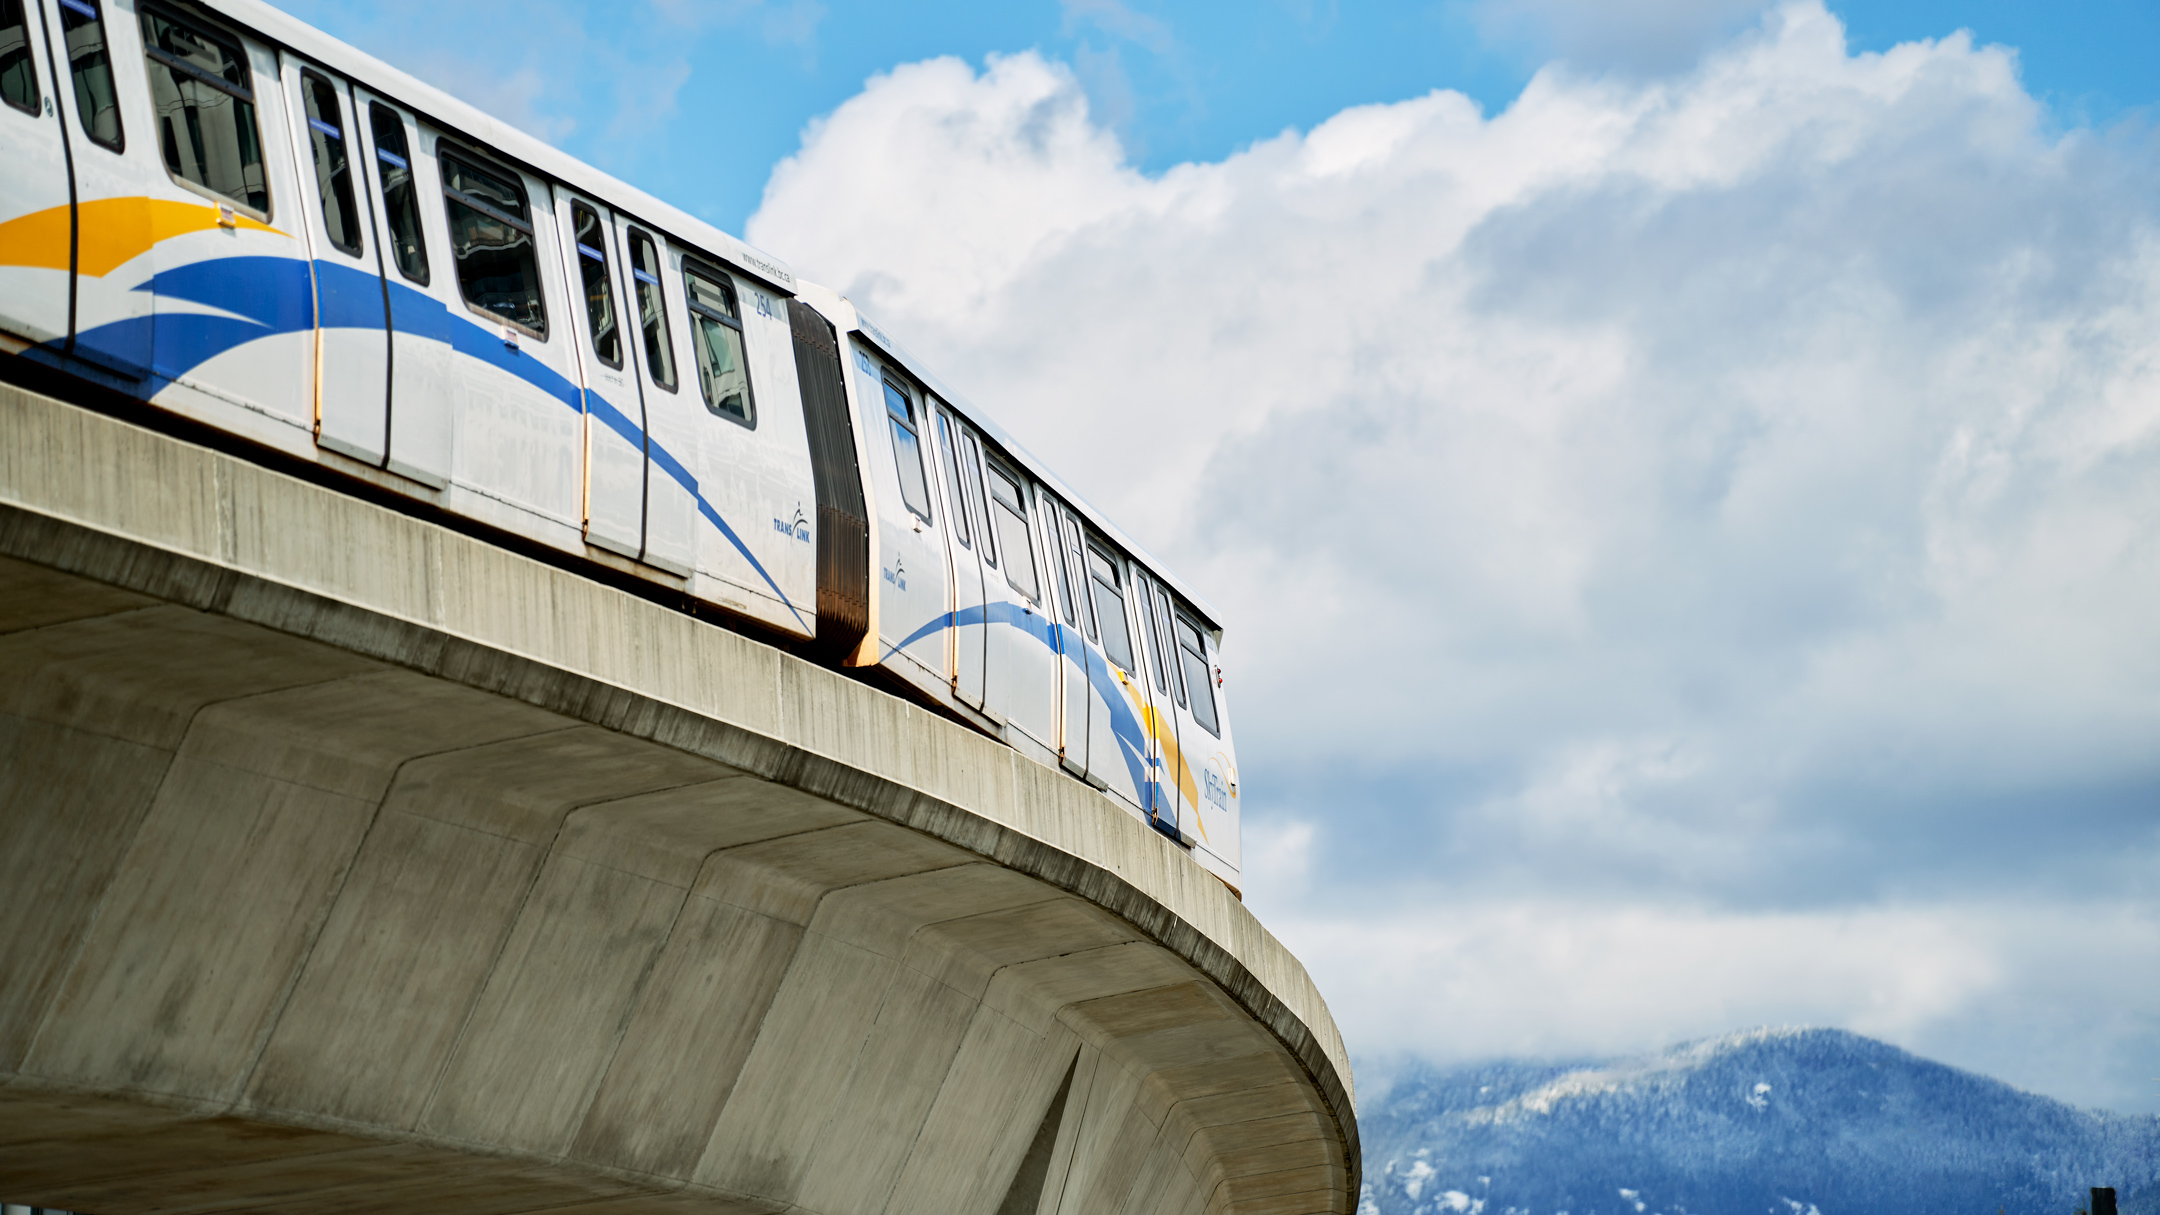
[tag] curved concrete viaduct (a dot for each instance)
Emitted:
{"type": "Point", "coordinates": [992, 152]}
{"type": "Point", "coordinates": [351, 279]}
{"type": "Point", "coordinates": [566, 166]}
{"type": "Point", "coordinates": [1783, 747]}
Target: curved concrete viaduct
{"type": "Point", "coordinates": [350, 864]}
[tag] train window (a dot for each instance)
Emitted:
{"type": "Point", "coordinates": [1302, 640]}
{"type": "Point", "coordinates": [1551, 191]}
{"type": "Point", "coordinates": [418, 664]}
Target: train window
{"type": "Point", "coordinates": [204, 97]}
{"type": "Point", "coordinates": [90, 66]}
{"type": "Point", "coordinates": [18, 72]}
{"type": "Point", "coordinates": [716, 334]}
{"type": "Point", "coordinates": [491, 239]}
{"type": "Point", "coordinates": [401, 199]}
{"type": "Point", "coordinates": [1012, 529]}
{"type": "Point", "coordinates": [652, 310]}
{"type": "Point", "coordinates": [1197, 676]}
{"type": "Point", "coordinates": [1109, 606]}
{"type": "Point", "coordinates": [962, 518]}
{"type": "Point", "coordinates": [907, 448]}
{"type": "Point", "coordinates": [333, 172]}
{"type": "Point", "coordinates": [592, 242]}
{"type": "Point", "coordinates": [978, 499]}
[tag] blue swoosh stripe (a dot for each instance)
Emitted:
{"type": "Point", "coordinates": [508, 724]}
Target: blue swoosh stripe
{"type": "Point", "coordinates": [1063, 640]}
{"type": "Point", "coordinates": [270, 296]}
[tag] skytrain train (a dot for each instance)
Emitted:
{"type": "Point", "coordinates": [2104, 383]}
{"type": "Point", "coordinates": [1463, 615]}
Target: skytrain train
{"type": "Point", "coordinates": [219, 211]}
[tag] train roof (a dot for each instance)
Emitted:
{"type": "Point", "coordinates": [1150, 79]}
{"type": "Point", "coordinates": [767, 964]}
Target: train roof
{"type": "Point", "coordinates": [493, 134]}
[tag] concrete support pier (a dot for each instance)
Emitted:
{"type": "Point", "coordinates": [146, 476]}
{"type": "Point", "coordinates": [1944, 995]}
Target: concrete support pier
{"type": "Point", "coordinates": [349, 863]}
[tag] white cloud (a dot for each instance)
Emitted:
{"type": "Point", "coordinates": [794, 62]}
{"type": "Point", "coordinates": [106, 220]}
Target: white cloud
{"type": "Point", "coordinates": [2038, 999]}
{"type": "Point", "coordinates": [1737, 486]}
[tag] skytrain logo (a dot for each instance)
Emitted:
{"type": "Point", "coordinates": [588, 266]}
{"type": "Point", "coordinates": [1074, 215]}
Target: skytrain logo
{"type": "Point", "coordinates": [799, 527]}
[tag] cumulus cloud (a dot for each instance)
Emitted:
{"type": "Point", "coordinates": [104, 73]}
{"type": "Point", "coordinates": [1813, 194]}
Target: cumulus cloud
{"type": "Point", "coordinates": [1726, 496]}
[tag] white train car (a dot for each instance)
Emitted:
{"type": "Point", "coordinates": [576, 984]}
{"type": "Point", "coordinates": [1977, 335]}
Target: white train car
{"type": "Point", "coordinates": [217, 211]}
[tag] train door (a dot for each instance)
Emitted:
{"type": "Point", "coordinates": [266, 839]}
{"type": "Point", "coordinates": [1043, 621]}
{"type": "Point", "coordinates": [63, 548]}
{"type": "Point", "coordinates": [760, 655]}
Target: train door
{"type": "Point", "coordinates": [1021, 635]}
{"type": "Point", "coordinates": [234, 337]}
{"type": "Point", "coordinates": [996, 601]}
{"type": "Point", "coordinates": [748, 486]}
{"type": "Point", "coordinates": [963, 535]}
{"type": "Point", "coordinates": [1168, 771]}
{"type": "Point", "coordinates": [913, 608]}
{"type": "Point", "coordinates": [114, 247]}
{"type": "Point", "coordinates": [37, 215]}
{"type": "Point", "coordinates": [1081, 666]}
{"type": "Point", "coordinates": [614, 402]}
{"type": "Point", "coordinates": [1071, 650]}
{"type": "Point", "coordinates": [1118, 747]}
{"type": "Point", "coordinates": [352, 341]}
{"type": "Point", "coordinates": [666, 508]}
{"type": "Point", "coordinates": [411, 240]}
{"type": "Point", "coordinates": [516, 407]}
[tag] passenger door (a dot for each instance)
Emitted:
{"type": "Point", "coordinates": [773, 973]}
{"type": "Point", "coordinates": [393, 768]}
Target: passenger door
{"type": "Point", "coordinates": [115, 248]}
{"type": "Point", "coordinates": [963, 532]}
{"type": "Point", "coordinates": [1021, 634]}
{"type": "Point", "coordinates": [234, 340]}
{"type": "Point", "coordinates": [652, 329]}
{"type": "Point", "coordinates": [36, 215]}
{"type": "Point", "coordinates": [354, 343]}
{"type": "Point", "coordinates": [1168, 771]}
{"type": "Point", "coordinates": [614, 402]}
{"type": "Point", "coordinates": [912, 603]}
{"type": "Point", "coordinates": [1078, 665]}
{"type": "Point", "coordinates": [413, 243]}
{"type": "Point", "coordinates": [1118, 748]}
{"type": "Point", "coordinates": [517, 409]}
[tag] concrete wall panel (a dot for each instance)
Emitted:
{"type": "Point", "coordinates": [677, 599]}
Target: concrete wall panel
{"type": "Point", "coordinates": [73, 802]}
{"type": "Point", "coordinates": [688, 1040]}
{"type": "Point", "coordinates": [555, 1006]}
{"type": "Point", "coordinates": [986, 1113]}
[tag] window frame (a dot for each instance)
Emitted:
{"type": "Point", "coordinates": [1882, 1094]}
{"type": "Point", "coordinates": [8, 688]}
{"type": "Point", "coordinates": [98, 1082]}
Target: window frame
{"type": "Point", "coordinates": [1111, 562]}
{"type": "Point", "coordinates": [385, 159]}
{"type": "Point", "coordinates": [712, 273]}
{"type": "Point", "coordinates": [892, 382]}
{"type": "Point", "coordinates": [32, 43]}
{"type": "Point", "coordinates": [1019, 484]}
{"type": "Point", "coordinates": [638, 279]}
{"type": "Point", "coordinates": [460, 154]}
{"type": "Point", "coordinates": [93, 11]}
{"type": "Point", "coordinates": [979, 493]}
{"type": "Point", "coordinates": [337, 132]}
{"type": "Point", "coordinates": [1073, 553]}
{"type": "Point", "coordinates": [1207, 670]}
{"type": "Point", "coordinates": [607, 280]}
{"type": "Point", "coordinates": [248, 93]}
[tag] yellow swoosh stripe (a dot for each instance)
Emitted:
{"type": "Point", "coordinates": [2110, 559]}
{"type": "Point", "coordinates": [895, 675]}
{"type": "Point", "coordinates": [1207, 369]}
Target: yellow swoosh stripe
{"type": "Point", "coordinates": [115, 231]}
{"type": "Point", "coordinates": [1164, 734]}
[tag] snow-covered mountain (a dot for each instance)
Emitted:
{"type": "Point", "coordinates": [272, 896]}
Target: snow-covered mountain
{"type": "Point", "coordinates": [1770, 1122]}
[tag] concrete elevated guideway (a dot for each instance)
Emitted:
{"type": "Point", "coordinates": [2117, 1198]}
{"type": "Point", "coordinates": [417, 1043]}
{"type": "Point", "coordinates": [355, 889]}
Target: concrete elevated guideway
{"type": "Point", "coordinates": [349, 863]}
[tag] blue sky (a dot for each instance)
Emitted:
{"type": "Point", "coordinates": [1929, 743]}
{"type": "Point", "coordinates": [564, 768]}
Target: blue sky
{"type": "Point", "coordinates": [697, 102]}
{"type": "Point", "coordinates": [1685, 502]}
